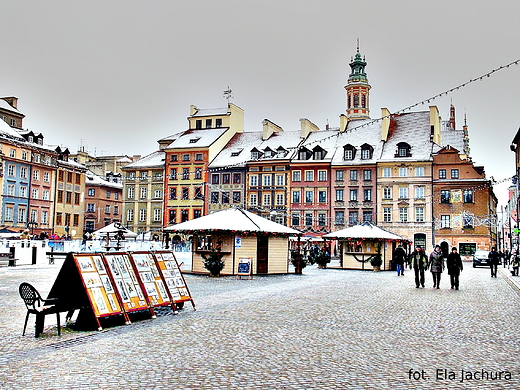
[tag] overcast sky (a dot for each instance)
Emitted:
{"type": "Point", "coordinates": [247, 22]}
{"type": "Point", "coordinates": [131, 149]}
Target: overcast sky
{"type": "Point", "coordinates": [116, 76]}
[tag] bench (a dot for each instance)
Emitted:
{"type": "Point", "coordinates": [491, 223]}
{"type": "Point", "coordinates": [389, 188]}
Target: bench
{"type": "Point", "coordinates": [51, 255]}
{"type": "Point", "coordinates": [7, 258]}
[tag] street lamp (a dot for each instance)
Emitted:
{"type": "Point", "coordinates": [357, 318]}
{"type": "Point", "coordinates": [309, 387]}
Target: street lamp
{"type": "Point", "coordinates": [31, 225]}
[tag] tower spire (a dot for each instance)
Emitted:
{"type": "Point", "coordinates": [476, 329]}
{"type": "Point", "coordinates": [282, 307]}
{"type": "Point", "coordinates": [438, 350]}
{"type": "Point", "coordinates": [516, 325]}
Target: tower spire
{"type": "Point", "coordinates": [357, 88]}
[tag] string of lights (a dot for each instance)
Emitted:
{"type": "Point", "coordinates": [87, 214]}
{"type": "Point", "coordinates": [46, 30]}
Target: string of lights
{"type": "Point", "coordinates": [367, 123]}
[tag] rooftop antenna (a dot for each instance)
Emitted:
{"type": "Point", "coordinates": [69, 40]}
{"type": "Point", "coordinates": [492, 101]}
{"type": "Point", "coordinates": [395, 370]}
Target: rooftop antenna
{"type": "Point", "coordinates": [228, 94]}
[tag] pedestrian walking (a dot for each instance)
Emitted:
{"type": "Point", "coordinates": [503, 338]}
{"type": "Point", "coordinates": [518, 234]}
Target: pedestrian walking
{"type": "Point", "coordinates": [436, 265]}
{"type": "Point", "coordinates": [454, 265]}
{"type": "Point", "coordinates": [493, 260]}
{"type": "Point", "coordinates": [515, 262]}
{"type": "Point", "coordinates": [399, 259]}
{"type": "Point", "coordinates": [419, 263]}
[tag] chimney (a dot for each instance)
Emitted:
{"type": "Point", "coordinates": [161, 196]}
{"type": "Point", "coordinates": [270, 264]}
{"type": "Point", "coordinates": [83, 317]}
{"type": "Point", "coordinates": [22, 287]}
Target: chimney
{"type": "Point", "coordinates": [193, 109]}
{"type": "Point", "coordinates": [385, 124]}
{"type": "Point", "coordinates": [435, 125]}
{"type": "Point", "coordinates": [13, 101]}
{"type": "Point", "coordinates": [269, 128]}
{"type": "Point", "coordinates": [307, 127]}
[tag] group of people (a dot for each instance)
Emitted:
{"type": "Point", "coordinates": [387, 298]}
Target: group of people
{"type": "Point", "coordinates": [420, 262]}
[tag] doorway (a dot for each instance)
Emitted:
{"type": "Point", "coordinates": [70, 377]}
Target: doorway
{"type": "Point", "coordinates": [262, 252]}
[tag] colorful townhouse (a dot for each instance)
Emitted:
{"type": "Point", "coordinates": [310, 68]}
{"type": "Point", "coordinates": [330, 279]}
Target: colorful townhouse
{"type": "Point", "coordinates": [353, 182]}
{"type": "Point", "coordinates": [268, 172]}
{"type": "Point", "coordinates": [187, 158]}
{"type": "Point", "coordinates": [103, 201]}
{"type": "Point", "coordinates": [69, 200]}
{"type": "Point", "coordinates": [404, 174]}
{"type": "Point", "coordinates": [143, 181]}
{"type": "Point", "coordinates": [464, 203]}
{"type": "Point", "coordinates": [311, 180]}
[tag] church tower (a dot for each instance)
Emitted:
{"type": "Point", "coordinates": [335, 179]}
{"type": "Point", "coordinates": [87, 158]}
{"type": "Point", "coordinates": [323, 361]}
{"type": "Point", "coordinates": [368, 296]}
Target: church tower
{"type": "Point", "coordinates": [357, 89]}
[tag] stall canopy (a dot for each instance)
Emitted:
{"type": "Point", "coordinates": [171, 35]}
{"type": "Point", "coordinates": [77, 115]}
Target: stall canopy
{"type": "Point", "coordinates": [112, 230]}
{"type": "Point", "coordinates": [232, 220]}
{"type": "Point", "coordinates": [366, 230]}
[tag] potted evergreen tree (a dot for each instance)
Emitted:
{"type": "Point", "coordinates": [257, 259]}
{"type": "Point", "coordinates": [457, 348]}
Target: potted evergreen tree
{"type": "Point", "coordinates": [213, 262]}
{"type": "Point", "coordinates": [376, 262]}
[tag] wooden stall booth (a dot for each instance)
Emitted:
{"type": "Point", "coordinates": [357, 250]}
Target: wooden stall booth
{"type": "Point", "coordinates": [359, 244]}
{"type": "Point", "coordinates": [117, 284]}
{"type": "Point", "coordinates": [241, 237]}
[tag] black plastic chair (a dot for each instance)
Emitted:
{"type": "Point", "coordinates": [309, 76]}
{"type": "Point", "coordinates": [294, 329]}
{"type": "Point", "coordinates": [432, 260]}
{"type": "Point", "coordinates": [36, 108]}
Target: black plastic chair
{"type": "Point", "coordinates": [38, 306]}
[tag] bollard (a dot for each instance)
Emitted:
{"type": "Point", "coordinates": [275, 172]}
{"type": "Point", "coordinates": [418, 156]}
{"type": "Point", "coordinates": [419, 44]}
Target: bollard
{"type": "Point", "coordinates": [34, 255]}
{"type": "Point", "coordinates": [51, 256]}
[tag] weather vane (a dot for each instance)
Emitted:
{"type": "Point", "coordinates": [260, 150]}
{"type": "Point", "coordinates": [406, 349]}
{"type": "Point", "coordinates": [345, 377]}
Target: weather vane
{"type": "Point", "coordinates": [228, 94]}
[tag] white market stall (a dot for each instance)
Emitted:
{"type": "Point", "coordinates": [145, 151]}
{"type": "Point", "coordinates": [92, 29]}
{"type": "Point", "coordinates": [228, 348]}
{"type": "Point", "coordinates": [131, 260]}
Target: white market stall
{"type": "Point", "coordinates": [241, 236]}
{"type": "Point", "coordinates": [359, 244]}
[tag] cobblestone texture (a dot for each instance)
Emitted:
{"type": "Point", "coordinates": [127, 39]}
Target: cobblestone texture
{"type": "Point", "coordinates": [326, 329]}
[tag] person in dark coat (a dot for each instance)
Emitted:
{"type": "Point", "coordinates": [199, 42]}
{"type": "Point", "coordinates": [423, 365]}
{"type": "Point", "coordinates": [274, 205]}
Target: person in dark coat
{"type": "Point", "coordinates": [399, 259]}
{"type": "Point", "coordinates": [419, 263]}
{"type": "Point", "coordinates": [436, 264]}
{"type": "Point", "coordinates": [454, 265]}
{"type": "Point", "coordinates": [494, 260]}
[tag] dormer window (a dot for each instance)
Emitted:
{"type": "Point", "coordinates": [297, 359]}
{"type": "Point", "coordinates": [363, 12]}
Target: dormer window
{"type": "Point", "coordinates": [30, 138]}
{"type": "Point", "coordinates": [304, 154]}
{"type": "Point", "coordinates": [268, 153]}
{"type": "Point", "coordinates": [403, 150]}
{"type": "Point", "coordinates": [318, 153]}
{"type": "Point", "coordinates": [349, 152]}
{"type": "Point", "coordinates": [255, 154]}
{"type": "Point", "coordinates": [281, 152]}
{"type": "Point", "coordinates": [366, 152]}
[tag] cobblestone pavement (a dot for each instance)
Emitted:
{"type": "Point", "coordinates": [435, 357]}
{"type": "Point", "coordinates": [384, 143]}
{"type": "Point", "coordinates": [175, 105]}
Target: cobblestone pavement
{"type": "Point", "coordinates": [326, 329]}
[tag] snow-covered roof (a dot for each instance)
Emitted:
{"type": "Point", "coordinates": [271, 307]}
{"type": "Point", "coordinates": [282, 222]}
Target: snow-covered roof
{"type": "Point", "coordinates": [8, 130]}
{"type": "Point", "coordinates": [153, 160]}
{"type": "Point", "coordinates": [6, 106]}
{"type": "Point", "coordinates": [233, 219]}
{"type": "Point", "coordinates": [365, 230]}
{"type": "Point", "coordinates": [172, 137]}
{"type": "Point", "coordinates": [211, 111]}
{"type": "Point", "coordinates": [357, 134]}
{"type": "Point", "coordinates": [454, 138]}
{"type": "Point", "coordinates": [325, 139]}
{"type": "Point", "coordinates": [237, 151]}
{"type": "Point", "coordinates": [414, 129]}
{"type": "Point", "coordinates": [72, 164]}
{"type": "Point", "coordinates": [198, 138]}
{"type": "Point", "coordinates": [93, 179]}
{"type": "Point", "coordinates": [124, 159]}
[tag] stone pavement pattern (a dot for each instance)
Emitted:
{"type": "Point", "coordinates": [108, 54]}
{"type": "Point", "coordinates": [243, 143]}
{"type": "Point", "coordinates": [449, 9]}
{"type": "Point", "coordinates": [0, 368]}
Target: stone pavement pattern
{"type": "Point", "coordinates": [326, 329]}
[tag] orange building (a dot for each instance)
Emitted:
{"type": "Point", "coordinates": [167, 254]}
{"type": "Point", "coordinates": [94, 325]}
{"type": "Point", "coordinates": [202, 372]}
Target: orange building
{"type": "Point", "coordinates": [464, 204]}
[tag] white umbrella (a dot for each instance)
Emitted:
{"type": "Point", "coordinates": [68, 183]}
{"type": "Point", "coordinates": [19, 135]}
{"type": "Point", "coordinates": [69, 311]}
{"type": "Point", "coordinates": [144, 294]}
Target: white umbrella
{"type": "Point", "coordinates": [113, 229]}
{"type": "Point", "coordinates": [367, 231]}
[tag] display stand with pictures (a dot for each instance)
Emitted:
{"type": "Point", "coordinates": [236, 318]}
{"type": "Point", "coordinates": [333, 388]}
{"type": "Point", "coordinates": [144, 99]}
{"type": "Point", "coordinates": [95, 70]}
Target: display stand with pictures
{"type": "Point", "coordinates": [173, 279]}
{"type": "Point", "coordinates": [152, 283]}
{"type": "Point", "coordinates": [244, 268]}
{"type": "Point", "coordinates": [103, 285]}
{"type": "Point", "coordinates": [126, 283]}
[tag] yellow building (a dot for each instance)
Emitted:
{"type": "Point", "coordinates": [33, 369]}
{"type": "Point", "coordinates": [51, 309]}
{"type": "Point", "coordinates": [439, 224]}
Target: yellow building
{"type": "Point", "coordinates": [70, 196]}
{"type": "Point", "coordinates": [187, 155]}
